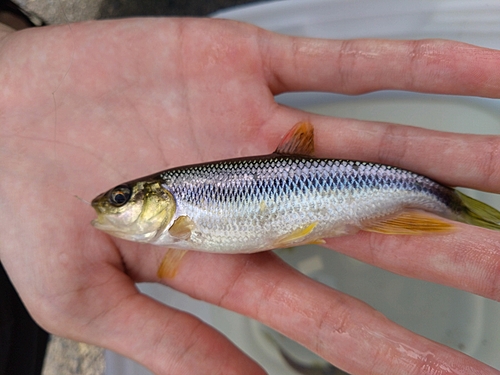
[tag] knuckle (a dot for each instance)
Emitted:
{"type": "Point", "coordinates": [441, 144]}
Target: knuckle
{"type": "Point", "coordinates": [489, 162]}
{"type": "Point", "coordinates": [393, 144]}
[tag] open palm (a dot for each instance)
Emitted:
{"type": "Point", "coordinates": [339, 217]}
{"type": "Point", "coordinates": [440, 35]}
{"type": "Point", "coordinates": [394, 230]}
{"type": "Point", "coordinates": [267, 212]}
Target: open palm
{"type": "Point", "coordinates": [87, 106]}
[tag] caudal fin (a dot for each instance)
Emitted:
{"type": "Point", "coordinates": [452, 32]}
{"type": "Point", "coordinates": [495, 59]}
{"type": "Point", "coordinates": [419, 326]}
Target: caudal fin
{"type": "Point", "coordinates": [479, 213]}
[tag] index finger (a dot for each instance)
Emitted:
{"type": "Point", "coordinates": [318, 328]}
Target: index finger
{"type": "Point", "coordinates": [360, 66]}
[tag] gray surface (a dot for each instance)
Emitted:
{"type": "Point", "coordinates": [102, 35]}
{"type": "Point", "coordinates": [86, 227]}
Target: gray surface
{"type": "Point", "coordinates": [63, 11]}
{"type": "Point", "coordinates": [67, 357]}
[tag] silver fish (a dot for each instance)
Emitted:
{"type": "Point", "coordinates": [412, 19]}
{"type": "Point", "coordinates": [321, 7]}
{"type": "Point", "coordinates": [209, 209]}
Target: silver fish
{"type": "Point", "coordinates": [284, 199]}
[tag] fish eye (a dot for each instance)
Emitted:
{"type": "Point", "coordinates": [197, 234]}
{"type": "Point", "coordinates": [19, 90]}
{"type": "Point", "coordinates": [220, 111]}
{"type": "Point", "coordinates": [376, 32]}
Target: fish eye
{"type": "Point", "coordinates": [120, 195]}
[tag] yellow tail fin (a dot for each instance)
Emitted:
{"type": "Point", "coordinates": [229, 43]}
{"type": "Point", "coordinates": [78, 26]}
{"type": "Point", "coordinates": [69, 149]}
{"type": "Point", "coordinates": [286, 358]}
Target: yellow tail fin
{"type": "Point", "coordinates": [479, 213]}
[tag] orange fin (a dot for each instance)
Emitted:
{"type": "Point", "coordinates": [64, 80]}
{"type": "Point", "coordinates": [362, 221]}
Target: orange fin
{"type": "Point", "coordinates": [410, 222]}
{"type": "Point", "coordinates": [170, 263]}
{"type": "Point", "coordinates": [296, 237]}
{"type": "Point", "coordinates": [298, 141]}
{"type": "Point", "coordinates": [182, 228]}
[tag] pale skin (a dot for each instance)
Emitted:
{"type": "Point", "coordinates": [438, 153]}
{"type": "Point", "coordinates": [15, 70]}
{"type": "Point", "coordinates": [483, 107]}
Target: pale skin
{"type": "Point", "coordinates": [87, 106]}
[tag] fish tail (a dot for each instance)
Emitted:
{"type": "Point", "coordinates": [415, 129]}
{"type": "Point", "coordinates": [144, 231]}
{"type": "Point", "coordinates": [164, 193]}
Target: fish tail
{"type": "Point", "coordinates": [479, 213]}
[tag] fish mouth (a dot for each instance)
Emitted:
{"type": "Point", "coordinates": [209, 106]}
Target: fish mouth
{"type": "Point", "coordinates": [98, 223]}
{"type": "Point", "coordinates": [126, 232]}
{"type": "Point", "coordinates": [105, 226]}
{"type": "Point", "coordinates": [102, 224]}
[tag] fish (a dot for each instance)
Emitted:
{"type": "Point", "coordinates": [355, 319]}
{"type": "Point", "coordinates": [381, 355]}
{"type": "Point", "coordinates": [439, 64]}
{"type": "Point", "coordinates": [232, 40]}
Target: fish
{"type": "Point", "coordinates": [284, 199]}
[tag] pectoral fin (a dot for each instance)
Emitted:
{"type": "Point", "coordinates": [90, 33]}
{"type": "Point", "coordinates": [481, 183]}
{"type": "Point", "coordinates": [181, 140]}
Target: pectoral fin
{"type": "Point", "coordinates": [297, 237]}
{"type": "Point", "coordinates": [410, 222]}
{"type": "Point", "coordinates": [182, 228]}
{"type": "Point", "coordinates": [170, 263]}
{"type": "Point", "coordinates": [299, 140]}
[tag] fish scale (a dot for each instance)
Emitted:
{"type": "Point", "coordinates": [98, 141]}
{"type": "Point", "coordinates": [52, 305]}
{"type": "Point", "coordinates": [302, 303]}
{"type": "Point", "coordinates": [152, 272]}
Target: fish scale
{"type": "Point", "coordinates": [212, 182]}
{"type": "Point", "coordinates": [225, 199]}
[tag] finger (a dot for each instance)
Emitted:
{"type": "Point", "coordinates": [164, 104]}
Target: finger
{"type": "Point", "coordinates": [341, 329]}
{"type": "Point", "coordinates": [454, 159]}
{"type": "Point", "coordinates": [164, 340]}
{"type": "Point", "coordinates": [467, 259]}
{"type": "Point", "coordinates": [345, 331]}
{"type": "Point", "coordinates": [359, 66]}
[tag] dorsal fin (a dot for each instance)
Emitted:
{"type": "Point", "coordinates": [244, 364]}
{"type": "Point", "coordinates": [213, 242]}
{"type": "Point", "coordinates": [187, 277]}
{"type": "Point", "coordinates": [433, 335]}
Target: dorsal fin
{"type": "Point", "coordinates": [298, 141]}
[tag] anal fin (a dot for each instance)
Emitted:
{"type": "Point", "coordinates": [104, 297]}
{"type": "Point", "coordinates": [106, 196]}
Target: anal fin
{"type": "Point", "coordinates": [170, 263]}
{"type": "Point", "coordinates": [319, 241]}
{"type": "Point", "coordinates": [409, 222]}
{"type": "Point", "coordinates": [297, 237]}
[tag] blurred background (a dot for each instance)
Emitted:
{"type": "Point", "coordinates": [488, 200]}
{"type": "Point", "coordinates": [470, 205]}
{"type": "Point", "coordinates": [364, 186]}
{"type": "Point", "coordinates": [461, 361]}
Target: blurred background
{"type": "Point", "coordinates": [63, 11]}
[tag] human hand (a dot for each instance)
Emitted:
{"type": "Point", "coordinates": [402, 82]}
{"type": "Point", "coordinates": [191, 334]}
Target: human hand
{"type": "Point", "coordinates": [87, 106]}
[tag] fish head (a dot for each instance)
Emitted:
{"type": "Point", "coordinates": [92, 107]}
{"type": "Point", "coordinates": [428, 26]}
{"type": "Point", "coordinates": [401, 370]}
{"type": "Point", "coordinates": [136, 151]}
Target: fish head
{"type": "Point", "coordinates": [135, 211]}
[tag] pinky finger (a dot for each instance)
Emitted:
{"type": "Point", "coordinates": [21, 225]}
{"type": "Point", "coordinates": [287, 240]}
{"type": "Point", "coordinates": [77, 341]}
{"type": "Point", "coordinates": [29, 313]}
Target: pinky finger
{"type": "Point", "coordinates": [172, 342]}
{"type": "Point", "coordinates": [165, 340]}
